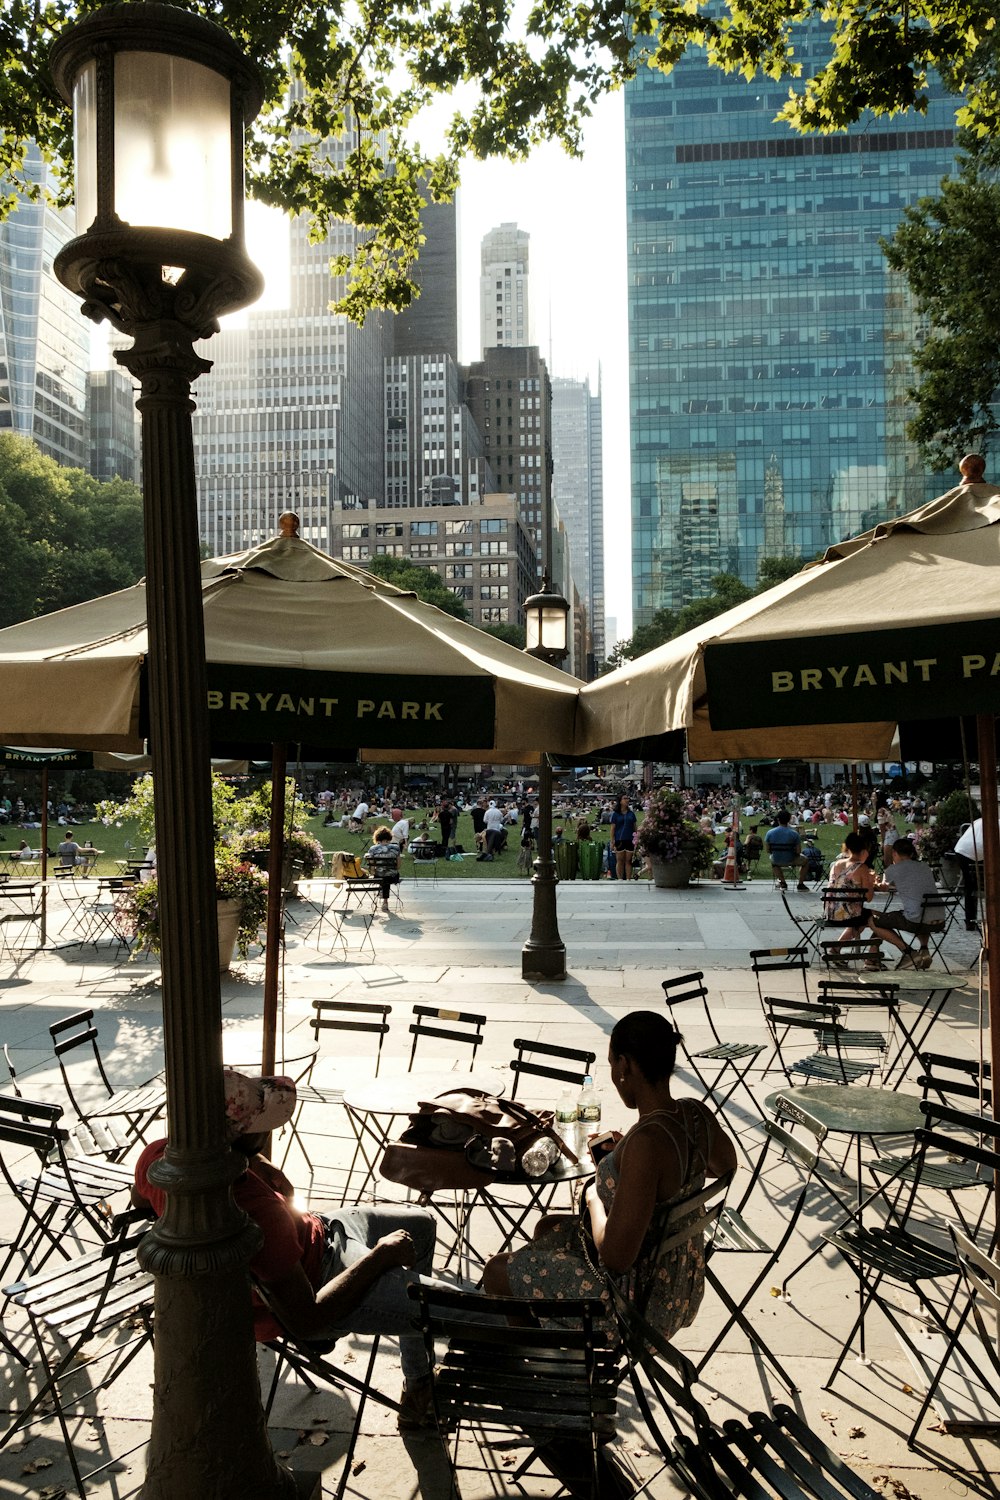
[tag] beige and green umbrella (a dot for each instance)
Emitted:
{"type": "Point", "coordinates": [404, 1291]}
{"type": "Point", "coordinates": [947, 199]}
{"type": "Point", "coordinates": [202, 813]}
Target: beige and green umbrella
{"type": "Point", "coordinates": [301, 650]}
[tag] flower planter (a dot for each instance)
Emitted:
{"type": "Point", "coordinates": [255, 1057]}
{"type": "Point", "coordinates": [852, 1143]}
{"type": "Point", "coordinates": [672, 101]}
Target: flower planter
{"type": "Point", "coordinates": [228, 917]}
{"type": "Point", "coordinates": [669, 874]}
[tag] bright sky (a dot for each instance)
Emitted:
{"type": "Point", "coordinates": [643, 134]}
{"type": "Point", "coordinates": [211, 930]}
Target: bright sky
{"type": "Point", "coordinates": [574, 211]}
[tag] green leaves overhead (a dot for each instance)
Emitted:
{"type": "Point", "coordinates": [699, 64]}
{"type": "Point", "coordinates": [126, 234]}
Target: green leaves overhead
{"type": "Point", "coordinates": [517, 76]}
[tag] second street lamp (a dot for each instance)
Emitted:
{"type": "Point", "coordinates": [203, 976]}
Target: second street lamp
{"type": "Point", "coordinates": [543, 956]}
{"type": "Point", "coordinates": [160, 101]}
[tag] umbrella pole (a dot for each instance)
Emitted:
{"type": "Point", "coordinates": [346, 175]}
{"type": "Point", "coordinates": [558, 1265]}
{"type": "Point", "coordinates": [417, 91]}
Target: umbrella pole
{"type": "Point", "coordinates": [854, 795]}
{"type": "Point", "coordinates": [272, 932]}
{"type": "Point", "coordinates": [45, 853]}
{"type": "Point", "coordinates": [986, 733]}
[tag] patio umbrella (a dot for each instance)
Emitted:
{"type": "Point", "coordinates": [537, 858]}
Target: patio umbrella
{"type": "Point", "coordinates": [898, 626]}
{"type": "Point", "coordinates": [301, 650]}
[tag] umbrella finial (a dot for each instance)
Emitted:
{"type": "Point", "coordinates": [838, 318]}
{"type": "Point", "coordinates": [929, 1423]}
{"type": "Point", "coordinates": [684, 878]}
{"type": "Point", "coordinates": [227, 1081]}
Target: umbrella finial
{"type": "Point", "coordinates": [288, 523]}
{"type": "Point", "coordinates": [972, 468]}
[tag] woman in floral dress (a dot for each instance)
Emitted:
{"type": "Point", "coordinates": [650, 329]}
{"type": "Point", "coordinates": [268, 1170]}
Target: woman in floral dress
{"type": "Point", "coordinates": [667, 1154]}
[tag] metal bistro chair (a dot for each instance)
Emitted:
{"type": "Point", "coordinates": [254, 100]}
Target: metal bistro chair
{"type": "Point", "coordinates": [948, 1082]}
{"type": "Point", "coordinates": [20, 910]}
{"type": "Point", "coordinates": [893, 1253]}
{"type": "Point", "coordinates": [555, 1384]}
{"type": "Point", "coordinates": [527, 1063]}
{"type": "Point", "coordinates": [137, 1107]}
{"type": "Point", "coordinates": [788, 1018]}
{"type": "Point", "coordinates": [733, 1060]}
{"type": "Point", "coordinates": [735, 1235]}
{"type": "Point", "coordinates": [342, 1016]}
{"type": "Point", "coordinates": [312, 1364]}
{"type": "Point", "coordinates": [68, 1307]}
{"type": "Point", "coordinates": [59, 1193]}
{"type": "Point", "coordinates": [463, 1027]}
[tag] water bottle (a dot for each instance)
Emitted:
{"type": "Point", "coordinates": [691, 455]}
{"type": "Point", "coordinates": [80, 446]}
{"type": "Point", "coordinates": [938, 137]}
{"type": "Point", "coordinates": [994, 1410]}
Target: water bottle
{"type": "Point", "coordinates": [566, 1109]}
{"type": "Point", "coordinates": [539, 1157]}
{"type": "Point", "coordinates": [588, 1105]}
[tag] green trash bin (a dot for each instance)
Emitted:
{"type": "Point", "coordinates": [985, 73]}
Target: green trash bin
{"type": "Point", "coordinates": [566, 860]}
{"type": "Point", "coordinates": [589, 859]}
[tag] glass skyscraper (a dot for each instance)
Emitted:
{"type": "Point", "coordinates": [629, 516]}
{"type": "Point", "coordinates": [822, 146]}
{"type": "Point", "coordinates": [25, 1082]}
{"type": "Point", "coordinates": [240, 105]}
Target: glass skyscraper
{"type": "Point", "coordinates": [768, 340]}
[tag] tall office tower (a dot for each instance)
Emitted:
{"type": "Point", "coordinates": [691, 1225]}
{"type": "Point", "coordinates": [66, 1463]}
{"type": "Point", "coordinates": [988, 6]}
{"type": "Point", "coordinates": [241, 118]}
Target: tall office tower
{"type": "Point", "coordinates": [510, 398]}
{"type": "Point", "coordinates": [504, 314]}
{"type": "Point", "coordinates": [577, 489]}
{"type": "Point", "coordinates": [44, 342]}
{"type": "Point", "coordinates": [112, 426]}
{"type": "Point", "coordinates": [291, 418]}
{"type": "Point", "coordinates": [430, 323]}
{"type": "Point", "coordinates": [768, 342]}
{"type": "Point", "coordinates": [434, 453]}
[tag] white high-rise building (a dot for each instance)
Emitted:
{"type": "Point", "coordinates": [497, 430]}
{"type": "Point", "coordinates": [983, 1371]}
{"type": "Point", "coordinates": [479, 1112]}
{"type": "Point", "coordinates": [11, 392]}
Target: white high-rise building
{"type": "Point", "coordinates": [577, 491]}
{"type": "Point", "coordinates": [504, 315]}
{"type": "Point", "coordinates": [44, 341]}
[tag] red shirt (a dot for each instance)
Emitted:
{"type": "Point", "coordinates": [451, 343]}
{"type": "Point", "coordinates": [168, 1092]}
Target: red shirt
{"type": "Point", "coordinates": [290, 1237]}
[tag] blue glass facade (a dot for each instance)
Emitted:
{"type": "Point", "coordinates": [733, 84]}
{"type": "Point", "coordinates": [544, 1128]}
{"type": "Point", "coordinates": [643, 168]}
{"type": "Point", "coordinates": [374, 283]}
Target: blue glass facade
{"type": "Point", "coordinates": [768, 341]}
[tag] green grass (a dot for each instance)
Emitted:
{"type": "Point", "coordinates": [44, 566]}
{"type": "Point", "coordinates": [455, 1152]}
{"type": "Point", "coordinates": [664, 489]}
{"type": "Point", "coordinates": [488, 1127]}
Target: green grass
{"type": "Point", "coordinates": [124, 842]}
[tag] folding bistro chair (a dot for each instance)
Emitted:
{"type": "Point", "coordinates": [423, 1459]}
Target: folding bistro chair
{"type": "Point", "coordinates": [776, 1457]}
{"type": "Point", "coordinates": [947, 1082]}
{"type": "Point", "coordinates": [135, 1107]}
{"type": "Point", "coordinates": [735, 1235]}
{"type": "Point", "coordinates": [733, 1060]}
{"type": "Point", "coordinates": [981, 1277]}
{"type": "Point", "coordinates": [527, 1064]}
{"type": "Point", "coordinates": [786, 1019]}
{"type": "Point", "coordinates": [848, 992]}
{"type": "Point", "coordinates": [60, 1194]}
{"type": "Point", "coordinates": [552, 1385]}
{"type": "Point", "coordinates": [69, 1306]}
{"type": "Point", "coordinates": [312, 1364]}
{"type": "Point", "coordinates": [20, 910]}
{"type": "Point", "coordinates": [463, 1027]}
{"type": "Point", "coordinates": [892, 1253]}
{"type": "Point", "coordinates": [812, 925]}
{"type": "Point", "coordinates": [784, 969]}
{"type": "Point", "coordinates": [345, 1016]}
{"type": "Point", "coordinates": [938, 911]}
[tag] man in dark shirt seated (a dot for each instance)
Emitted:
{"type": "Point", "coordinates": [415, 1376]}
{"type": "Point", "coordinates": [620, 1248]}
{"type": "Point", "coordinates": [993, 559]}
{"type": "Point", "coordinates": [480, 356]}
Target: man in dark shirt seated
{"type": "Point", "coordinates": [325, 1275]}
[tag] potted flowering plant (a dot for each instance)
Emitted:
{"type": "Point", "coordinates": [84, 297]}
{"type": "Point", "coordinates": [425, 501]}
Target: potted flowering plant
{"type": "Point", "coordinates": [302, 854]}
{"type": "Point", "coordinates": [241, 893]}
{"type": "Point", "coordinates": [674, 847]}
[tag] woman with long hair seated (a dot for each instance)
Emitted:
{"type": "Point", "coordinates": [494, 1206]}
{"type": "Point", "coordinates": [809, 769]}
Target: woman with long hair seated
{"type": "Point", "coordinates": [667, 1154]}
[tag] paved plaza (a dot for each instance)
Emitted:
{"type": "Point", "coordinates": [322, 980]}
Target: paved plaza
{"type": "Point", "coordinates": [457, 945]}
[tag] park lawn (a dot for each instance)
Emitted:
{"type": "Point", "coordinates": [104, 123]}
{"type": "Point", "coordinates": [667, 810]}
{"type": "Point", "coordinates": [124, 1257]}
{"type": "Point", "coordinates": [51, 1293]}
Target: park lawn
{"type": "Point", "coordinates": [121, 841]}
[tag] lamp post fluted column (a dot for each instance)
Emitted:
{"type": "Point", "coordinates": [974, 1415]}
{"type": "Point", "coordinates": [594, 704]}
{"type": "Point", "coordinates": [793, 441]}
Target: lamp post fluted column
{"type": "Point", "coordinates": [544, 953]}
{"type": "Point", "coordinates": [160, 99]}
{"type": "Point", "coordinates": [209, 1436]}
{"type": "Point", "coordinates": [543, 956]}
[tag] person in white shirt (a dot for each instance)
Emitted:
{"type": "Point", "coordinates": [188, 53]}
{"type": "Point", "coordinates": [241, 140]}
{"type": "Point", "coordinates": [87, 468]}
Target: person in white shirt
{"type": "Point", "coordinates": [360, 813]}
{"type": "Point", "coordinates": [493, 822]}
{"type": "Point", "coordinates": [969, 853]}
{"type": "Point", "coordinates": [401, 832]}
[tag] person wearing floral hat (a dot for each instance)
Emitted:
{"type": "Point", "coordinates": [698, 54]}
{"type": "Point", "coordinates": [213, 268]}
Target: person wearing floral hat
{"type": "Point", "coordinates": [325, 1275]}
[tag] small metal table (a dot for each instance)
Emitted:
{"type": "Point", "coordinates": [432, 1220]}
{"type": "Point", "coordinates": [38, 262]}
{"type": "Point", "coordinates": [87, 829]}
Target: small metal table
{"type": "Point", "coordinates": [911, 983]}
{"type": "Point", "coordinates": [854, 1110]}
{"type": "Point", "coordinates": [373, 1104]}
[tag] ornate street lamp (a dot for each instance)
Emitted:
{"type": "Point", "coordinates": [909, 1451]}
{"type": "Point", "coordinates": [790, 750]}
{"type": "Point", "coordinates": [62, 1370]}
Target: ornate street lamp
{"type": "Point", "coordinates": [546, 624]}
{"type": "Point", "coordinates": [546, 617]}
{"type": "Point", "coordinates": [160, 100]}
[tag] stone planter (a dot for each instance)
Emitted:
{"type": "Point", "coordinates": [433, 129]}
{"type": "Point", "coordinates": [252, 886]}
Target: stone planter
{"type": "Point", "coordinates": [228, 918]}
{"type": "Point", "coordinates": [670, 874]}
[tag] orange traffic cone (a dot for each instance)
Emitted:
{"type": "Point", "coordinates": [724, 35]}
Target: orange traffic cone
{"type": "Point", "coordinates": [730, 876]}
